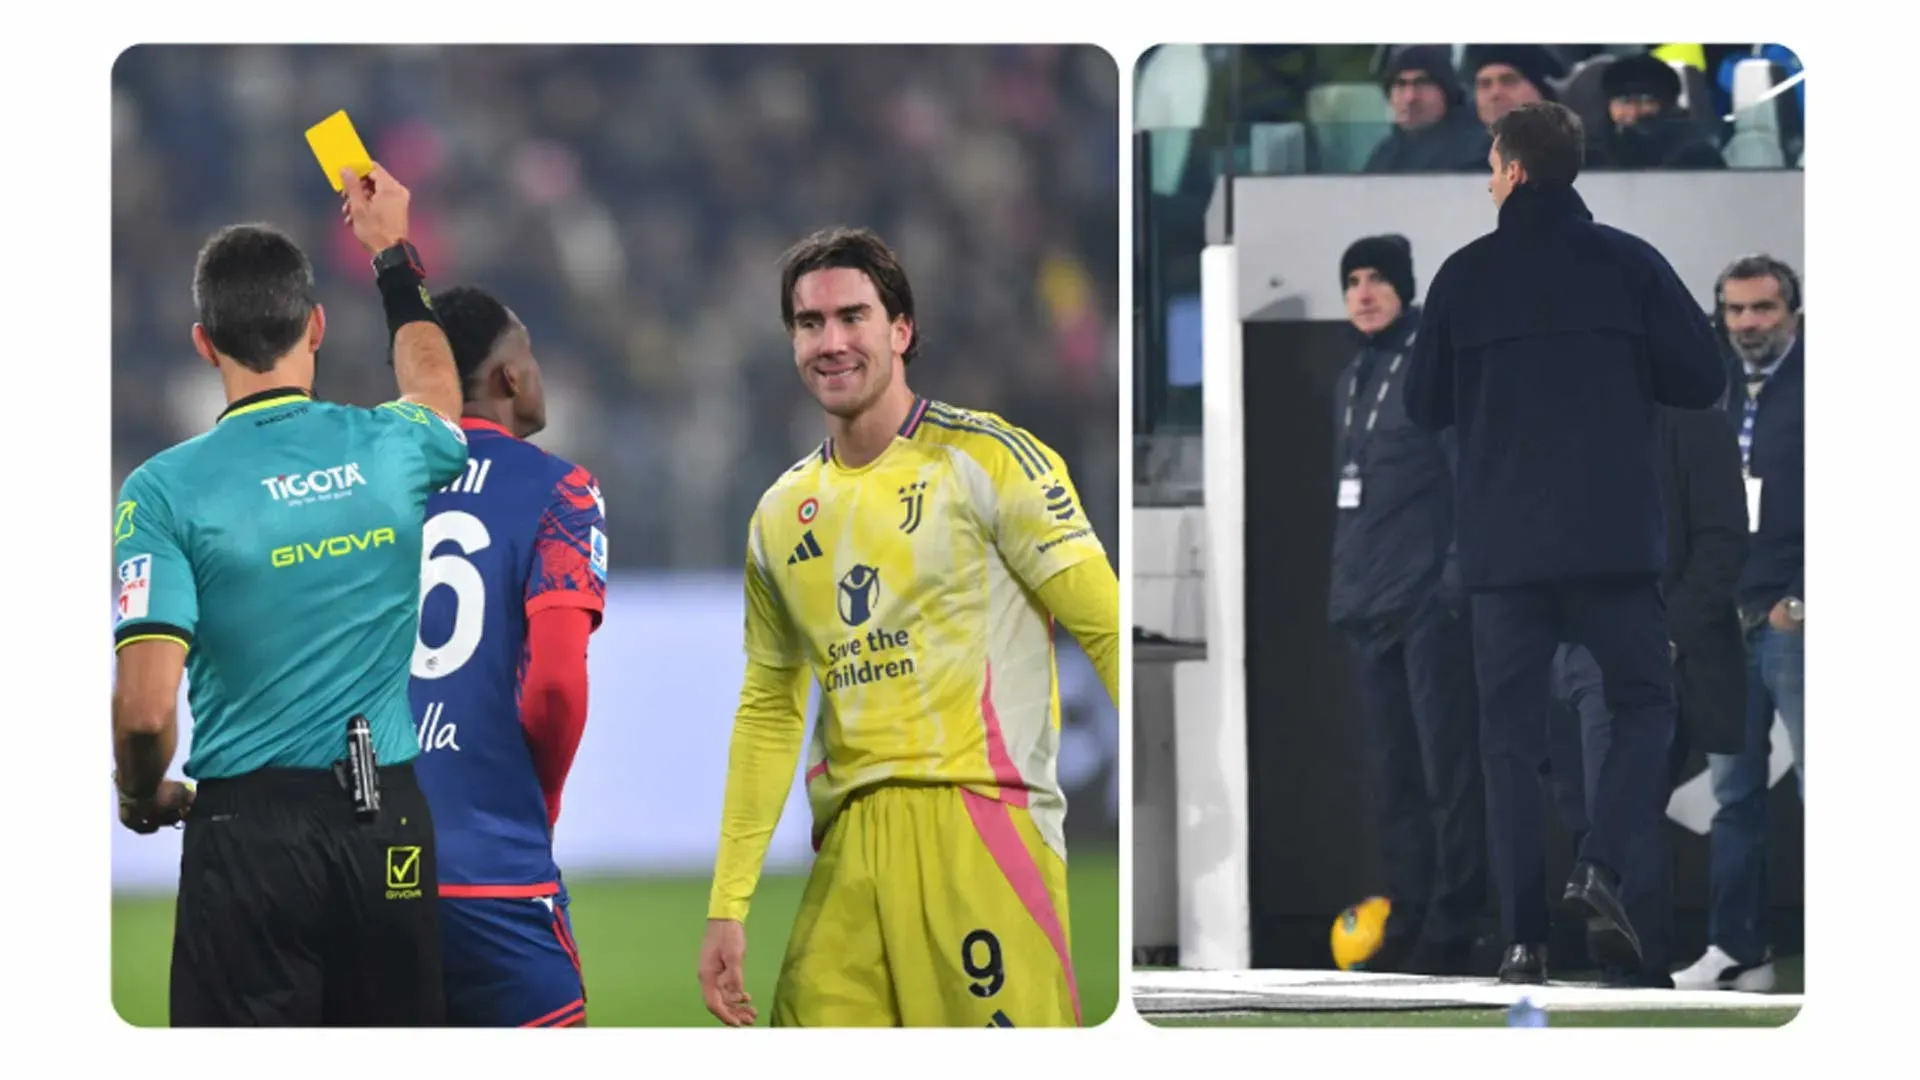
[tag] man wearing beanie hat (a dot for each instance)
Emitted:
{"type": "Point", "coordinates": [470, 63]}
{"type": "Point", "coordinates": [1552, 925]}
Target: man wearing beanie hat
{"type": "Point", "coordinates": [1645, 128]}
{"type": "Point", "coordinates": [1433, 130]}
{"type": "Point", "coordinates": [1547, 345]}
{"type": "Point", "coordinates": [1505, 77]}
{"type": "Point", "coordinates": [1395, 597]}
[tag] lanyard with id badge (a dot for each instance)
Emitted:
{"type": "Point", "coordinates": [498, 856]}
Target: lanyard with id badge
{"type": "Point", "coordinates": [1748, 423]}
{"type": "Point", "coordinates": [1351, 484]}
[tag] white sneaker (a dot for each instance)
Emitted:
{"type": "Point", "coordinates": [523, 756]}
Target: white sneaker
{"type": "Point", "coordinates": [1715, 970]}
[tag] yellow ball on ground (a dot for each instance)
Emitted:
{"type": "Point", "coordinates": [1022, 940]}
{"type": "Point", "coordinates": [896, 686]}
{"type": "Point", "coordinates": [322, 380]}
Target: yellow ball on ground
{"type": "Point", "coordinates": [1359, 932]}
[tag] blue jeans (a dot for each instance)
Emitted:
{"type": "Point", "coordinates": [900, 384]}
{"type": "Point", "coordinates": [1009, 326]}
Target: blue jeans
{"type": "Point", "coordinates": [1776, 682]}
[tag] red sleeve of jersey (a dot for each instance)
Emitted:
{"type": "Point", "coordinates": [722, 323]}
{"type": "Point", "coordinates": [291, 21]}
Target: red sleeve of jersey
{"type": "Point", "coordinates": [570, 550]}
{"type": "Point", "coordinates": [553, 696]}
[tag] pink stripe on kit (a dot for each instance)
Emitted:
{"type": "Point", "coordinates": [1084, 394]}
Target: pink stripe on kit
{"type": "Point", "coordinates": [1005, 773]}
{"type": "Point", "coordinates": [994, 822]}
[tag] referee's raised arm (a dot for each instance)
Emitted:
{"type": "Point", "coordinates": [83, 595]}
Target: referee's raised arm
{"type": "Point", "coordinates": [376, 208]}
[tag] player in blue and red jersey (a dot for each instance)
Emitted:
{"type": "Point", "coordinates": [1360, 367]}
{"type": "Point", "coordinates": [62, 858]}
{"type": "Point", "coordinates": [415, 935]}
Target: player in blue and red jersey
{"type": "Point", "coordinates": [514, 582]}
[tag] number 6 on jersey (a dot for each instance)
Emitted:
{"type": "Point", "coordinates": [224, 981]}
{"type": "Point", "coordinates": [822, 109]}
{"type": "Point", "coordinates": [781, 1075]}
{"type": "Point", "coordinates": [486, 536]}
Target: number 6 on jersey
{"type": "Point", "coordinates": [452, 570]}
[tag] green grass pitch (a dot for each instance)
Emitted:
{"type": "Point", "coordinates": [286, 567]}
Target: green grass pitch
{"type": "Point", "coordinates": [640, 942]}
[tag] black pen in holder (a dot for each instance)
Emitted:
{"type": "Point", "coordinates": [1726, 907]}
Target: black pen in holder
{"type": "Point", "coordinates": [363, 775]}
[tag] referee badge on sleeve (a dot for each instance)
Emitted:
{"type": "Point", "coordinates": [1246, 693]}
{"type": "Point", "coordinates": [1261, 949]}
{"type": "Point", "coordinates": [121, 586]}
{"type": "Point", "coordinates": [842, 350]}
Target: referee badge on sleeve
{"type": "Point", "coordinates": [136, 582]}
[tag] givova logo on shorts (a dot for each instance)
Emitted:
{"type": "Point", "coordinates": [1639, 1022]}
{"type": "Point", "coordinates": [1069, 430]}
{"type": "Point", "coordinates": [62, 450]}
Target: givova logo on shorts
{"type": "Point", "coordinates": [403, 873]}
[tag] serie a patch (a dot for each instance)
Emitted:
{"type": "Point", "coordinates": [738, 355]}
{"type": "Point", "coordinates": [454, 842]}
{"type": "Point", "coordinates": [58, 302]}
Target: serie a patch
{"type": "Point", "coordinates": [136, 584]}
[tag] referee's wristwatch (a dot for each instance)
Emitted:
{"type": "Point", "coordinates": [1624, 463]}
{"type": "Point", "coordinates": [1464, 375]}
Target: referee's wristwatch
{"type": "Point", "coordinates": [1796, 609]}
{"type": "Point", "coordinates": [400, 254]}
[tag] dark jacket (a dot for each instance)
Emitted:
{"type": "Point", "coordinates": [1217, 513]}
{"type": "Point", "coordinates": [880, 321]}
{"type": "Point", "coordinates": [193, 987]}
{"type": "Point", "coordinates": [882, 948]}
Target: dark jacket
{"type": "Point", "coordinates": [1457, 143]}
{"type": "Point", "coordinates": [1776, 555]}
{"type": "Point", "coordinates": [1706, 511]}
{"type": "Point", "coordinates": [1660, 142]}
{"type": "Point", "coordinates": [1547, 344]}
{"type": "Point", "coordinates": [1389, 553]}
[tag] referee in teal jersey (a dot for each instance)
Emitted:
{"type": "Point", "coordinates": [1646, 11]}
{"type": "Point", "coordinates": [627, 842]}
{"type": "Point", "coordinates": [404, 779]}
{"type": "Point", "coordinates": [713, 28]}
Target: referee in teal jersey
{"type": "Point", "coordinates": [276, 560]}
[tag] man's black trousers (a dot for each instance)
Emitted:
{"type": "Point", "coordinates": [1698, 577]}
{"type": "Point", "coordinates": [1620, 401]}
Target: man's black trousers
{"type": "Point", "coordinates": [1422, 741]}
{"type": "Point", "coordinates": [292, 913]}
{"type": "Point", "coordinates": [1621, 621]}
{"type": "Point", "coordinates": [1578, 740]}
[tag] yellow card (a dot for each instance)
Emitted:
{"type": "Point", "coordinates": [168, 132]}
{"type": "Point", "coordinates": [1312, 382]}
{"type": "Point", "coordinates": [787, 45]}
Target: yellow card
{"type": "Point", "coordinates": [338, 147]}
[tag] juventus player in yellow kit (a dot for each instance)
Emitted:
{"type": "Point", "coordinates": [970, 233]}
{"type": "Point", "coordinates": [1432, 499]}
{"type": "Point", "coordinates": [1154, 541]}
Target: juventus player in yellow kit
{"type": "Point", "coordinates": [914, 564]}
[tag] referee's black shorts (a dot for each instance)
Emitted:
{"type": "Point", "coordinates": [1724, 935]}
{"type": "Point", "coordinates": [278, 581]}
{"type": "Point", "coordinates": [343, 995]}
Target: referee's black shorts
{"type": "Point", "coordinates": [293, 913]}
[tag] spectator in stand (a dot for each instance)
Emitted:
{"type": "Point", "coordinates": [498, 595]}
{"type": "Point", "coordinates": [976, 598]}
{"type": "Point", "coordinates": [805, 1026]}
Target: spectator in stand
{"type": "Point", "coordinates": [1433, 130]}
{"type": "Point", "coordinates": [1646, 129]}
{"type": "Point", "coordinates": [1506, 77]}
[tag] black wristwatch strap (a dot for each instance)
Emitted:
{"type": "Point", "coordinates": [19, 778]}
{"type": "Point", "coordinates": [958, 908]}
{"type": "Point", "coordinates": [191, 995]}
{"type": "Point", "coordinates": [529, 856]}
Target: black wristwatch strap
{"type": "Point", "coordinates": [400, 254]}
{"type": "Point", "coordinates": [403, 290]}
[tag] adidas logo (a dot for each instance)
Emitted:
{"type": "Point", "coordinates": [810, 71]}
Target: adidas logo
{"type": "Point", "coordinates": [807, 548]}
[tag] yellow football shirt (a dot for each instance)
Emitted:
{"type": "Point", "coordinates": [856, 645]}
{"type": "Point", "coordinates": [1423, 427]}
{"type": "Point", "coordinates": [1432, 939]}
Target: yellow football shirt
{"type": "Point", "coordinates": [907, 587]}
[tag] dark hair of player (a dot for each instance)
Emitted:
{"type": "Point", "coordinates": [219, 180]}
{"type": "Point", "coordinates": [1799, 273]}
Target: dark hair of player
{"type": "Point", "coordinates": [253, 294]}
{"type": "Point", "coordinates": [1546, 138]}
{"type": "Point", "coordinates": [475, 321]}
{"type": "Point", "coordinates": [851, 249]}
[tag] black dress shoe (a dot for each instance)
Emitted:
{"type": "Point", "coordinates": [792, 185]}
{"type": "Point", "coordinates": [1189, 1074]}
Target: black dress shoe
{"type": "Point", "coordinates": [1594, 894]}
{"type": "Point", "coordinates": [1524, 964]}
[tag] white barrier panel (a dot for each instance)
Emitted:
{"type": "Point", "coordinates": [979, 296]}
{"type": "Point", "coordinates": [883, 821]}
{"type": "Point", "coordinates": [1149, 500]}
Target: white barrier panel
{"type": "Point", "coordinates": [1289, 231]}
{"type": "Point", "coordinates": [647, 783]}
{"type": "Point", "coordinates": [1163, 992]}
{"type": "Point", "coordinates": [1211, 705]}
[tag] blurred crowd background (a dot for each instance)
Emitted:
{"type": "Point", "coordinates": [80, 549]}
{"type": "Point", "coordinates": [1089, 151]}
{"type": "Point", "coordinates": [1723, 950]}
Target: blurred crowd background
{"type": "Point", "coordinates": [631, 204]}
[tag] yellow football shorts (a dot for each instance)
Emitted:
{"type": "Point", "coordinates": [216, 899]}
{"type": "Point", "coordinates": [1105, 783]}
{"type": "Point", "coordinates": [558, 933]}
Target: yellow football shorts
{"type": "Point", "coordinates": [930, 906]}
